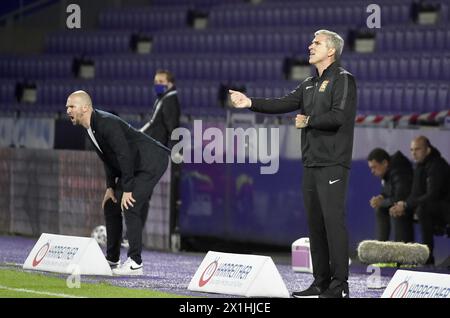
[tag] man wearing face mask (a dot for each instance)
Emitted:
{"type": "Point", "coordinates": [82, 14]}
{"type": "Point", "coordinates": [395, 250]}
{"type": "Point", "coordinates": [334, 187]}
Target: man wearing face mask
{"type": "Point", "coordinates": [164, 119]}
{"type": "Point", "coordinates": [165, 115]}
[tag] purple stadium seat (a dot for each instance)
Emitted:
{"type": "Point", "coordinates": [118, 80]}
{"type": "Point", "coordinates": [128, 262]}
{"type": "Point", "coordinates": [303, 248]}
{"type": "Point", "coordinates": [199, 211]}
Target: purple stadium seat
{"type": "Point", "coordinates": [431, 97]}
{"type": "Point", "coordinates": [147, 18]}
{"type": "Point", "coordinates": [445, 67]}
{"type": "Point", "coordinates": [419, 99]}
{"type": "Point", "coordinates": [398, 97]}
{"type": "Point", "coordinates": [373, 69]}
{"type": "Point", "coordinates": [363, 69]}
{"type": "Point", "coordinates": [424, 67]}
{"type": "Point", "coordinates": [7, 91]}
{"type": "Point", "coordinates": [363, 95]}
{"type": "Point", "coordinates": [443, 98]}
{"type": "Point", "coordinates": [414, 68]}
{"type": "Point", "coordinates": [383, 70]}
{"type": "Point", "coordinates": [445, 33]}
{"type": "Point", "coordinates": [90, 42]}
{"type": "Point", "coordinates": [320, 15]}
{"type": "Point", "coordinates": [408, 104]}
{"type": "Point", "coordinates": [410, 39]}
{"type": "Point", "coordinates": [386, 100]}
{"type": "Point", "coordinates": [403, 67]}
{"type": "Point", "coordinates": [376, 96]}
{"type": "Point", "coordinates": [436, 67]}
{"type": "Point", "coordinates": [445, 12]}
{"type": "Point", "coordinates": [431, 38]}
{"type": "Point", "coordinates": [393, 68]}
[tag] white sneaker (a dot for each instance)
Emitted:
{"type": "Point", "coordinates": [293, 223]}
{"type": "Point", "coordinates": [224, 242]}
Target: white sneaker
{"type": "Point", "coordinates": [129, 268]}
{"type": "Point", "coordinates": [114, 265]}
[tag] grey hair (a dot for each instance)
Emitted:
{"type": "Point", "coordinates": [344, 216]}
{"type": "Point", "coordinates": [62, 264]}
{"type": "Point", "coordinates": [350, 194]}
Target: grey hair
{"type": "Point", "coordinates": [334, 41]}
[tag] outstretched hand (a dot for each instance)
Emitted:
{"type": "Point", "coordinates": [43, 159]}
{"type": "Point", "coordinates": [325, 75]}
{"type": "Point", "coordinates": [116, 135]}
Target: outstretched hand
{"type": "Point", "coordinates": [239, 100]}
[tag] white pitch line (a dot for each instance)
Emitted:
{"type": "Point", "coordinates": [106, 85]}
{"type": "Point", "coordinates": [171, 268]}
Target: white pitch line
{"type": "Point", "coordinates": [39, 292]}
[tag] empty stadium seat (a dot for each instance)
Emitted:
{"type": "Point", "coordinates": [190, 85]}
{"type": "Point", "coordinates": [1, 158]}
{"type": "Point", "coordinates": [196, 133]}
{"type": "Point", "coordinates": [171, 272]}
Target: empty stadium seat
{"type": "Point", "coordinates": [94, 42]}
{"type": "Point", "coordinates": [243, 42]}
{"type": "Point", "coordinates": [7, 91]}
{"type": "Point", "coordinates": [305, 14]}
{"type": "Point", "coordinates": [144, 18]}
{"type": "Point", "coordinates": [36, 67]}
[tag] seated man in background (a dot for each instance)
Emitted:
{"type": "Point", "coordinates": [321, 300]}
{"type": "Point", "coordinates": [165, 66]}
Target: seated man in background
{"type": "Point", "coordinates": [396, 175]}
{"type": "Point", "coordinates": [430, 193]}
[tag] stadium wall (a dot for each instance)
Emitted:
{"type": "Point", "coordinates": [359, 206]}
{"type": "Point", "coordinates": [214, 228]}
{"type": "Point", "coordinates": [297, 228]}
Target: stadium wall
{"type": "Point", "coordinates": [60, 191]}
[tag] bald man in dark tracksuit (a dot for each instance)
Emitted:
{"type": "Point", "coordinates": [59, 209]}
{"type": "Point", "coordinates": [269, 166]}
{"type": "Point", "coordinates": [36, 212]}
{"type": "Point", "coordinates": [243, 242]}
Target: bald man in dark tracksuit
{"type": "Point", "coordinates": [134, 163]}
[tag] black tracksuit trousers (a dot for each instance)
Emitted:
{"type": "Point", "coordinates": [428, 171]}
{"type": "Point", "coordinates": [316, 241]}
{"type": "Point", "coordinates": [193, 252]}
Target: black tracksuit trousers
{"type": "Point", "coordinates": [324, 196]}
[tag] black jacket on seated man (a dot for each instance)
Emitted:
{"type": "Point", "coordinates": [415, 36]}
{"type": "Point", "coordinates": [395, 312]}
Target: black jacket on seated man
{"type": "Point", "coordinates": [396, 187]}
{"type": "Point", "coordinates": [430, 195]}
{"type": "Point", "coordinates": [397, 180]}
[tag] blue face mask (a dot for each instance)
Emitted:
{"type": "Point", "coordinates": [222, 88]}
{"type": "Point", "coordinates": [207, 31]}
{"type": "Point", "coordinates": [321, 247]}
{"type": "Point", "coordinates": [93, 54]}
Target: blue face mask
{"type": "Point", "coordinates": [160, 89]}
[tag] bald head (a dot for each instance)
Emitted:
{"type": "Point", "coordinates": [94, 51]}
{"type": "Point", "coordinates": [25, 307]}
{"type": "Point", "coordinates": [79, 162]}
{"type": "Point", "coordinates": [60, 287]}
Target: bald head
{"type": "Point", "coordinates": [82, 97]}
{"type": "Point", "coordinates": [420, 148]}
{"type": "Point", "coordinates": [422, 140]}
{"type": "Point", "coordinates": [79, 108]}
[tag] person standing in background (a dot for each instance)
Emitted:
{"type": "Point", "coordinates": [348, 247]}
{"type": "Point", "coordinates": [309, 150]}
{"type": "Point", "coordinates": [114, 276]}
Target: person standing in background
{"type": "Point", "coordinates": [164, 119]}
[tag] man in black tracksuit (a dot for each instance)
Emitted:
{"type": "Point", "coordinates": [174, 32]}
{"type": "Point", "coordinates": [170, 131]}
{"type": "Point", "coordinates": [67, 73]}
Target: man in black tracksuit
{"type": "Point", "coordinates": [165, 116]}
{"type": "Point", "coordinates": [133, 163]}
{"type": "Point", "coordinates": [327, 106]}
{"type": "Point", "coordinates": [164, 119]}
{"type": "Point", "coordinates": [396, 173]}
{"type": "Point", "coordinates": [430, 193]}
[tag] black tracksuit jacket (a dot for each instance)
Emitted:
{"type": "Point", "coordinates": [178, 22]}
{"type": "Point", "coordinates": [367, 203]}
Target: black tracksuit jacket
{"type": "Point", "coordinates": [330, 101]}
{"type": "Point", "coordinates": [166, 119]}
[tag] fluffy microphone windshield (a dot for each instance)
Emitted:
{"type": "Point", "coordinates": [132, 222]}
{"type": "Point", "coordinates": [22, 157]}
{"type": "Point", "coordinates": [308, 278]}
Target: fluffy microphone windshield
{"type": "Point", "coordinates": [371, 252]}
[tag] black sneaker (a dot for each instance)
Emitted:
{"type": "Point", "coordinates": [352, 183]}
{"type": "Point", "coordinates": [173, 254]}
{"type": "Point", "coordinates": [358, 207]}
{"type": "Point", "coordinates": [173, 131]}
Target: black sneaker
{"type": "Point", "coordinates": [339, 291]}
{"type": "Point", "coordinates": [312, 292]}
